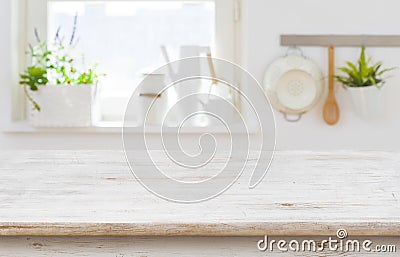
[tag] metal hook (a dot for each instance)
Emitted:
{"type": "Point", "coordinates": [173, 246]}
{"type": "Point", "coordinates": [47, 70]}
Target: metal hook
{"type": "Point", "coordinates": [295, 49]}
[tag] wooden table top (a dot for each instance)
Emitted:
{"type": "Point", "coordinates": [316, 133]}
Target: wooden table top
{"type": "Point", "coordinates": [85, 193]}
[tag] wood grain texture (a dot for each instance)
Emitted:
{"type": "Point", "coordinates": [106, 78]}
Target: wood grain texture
{"type": "Point", "coordinates": [84, 193]}
{"type": "Point", "coordinates": [165, 247]}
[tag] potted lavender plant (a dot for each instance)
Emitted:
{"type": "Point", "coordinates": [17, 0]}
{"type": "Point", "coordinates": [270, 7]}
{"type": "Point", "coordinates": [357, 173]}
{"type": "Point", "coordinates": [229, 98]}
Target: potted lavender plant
{"type": "Point", "coordinates": [59, 94]}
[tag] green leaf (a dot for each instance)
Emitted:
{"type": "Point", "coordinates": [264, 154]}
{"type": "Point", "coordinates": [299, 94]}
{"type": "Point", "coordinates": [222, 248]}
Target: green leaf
{"type": "Point", "coordinates": [363, 74]}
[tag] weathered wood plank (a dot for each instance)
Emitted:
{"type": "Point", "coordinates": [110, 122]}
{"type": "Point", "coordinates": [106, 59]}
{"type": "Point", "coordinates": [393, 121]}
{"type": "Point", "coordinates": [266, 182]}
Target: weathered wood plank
{"type": "Point", "coordinates": [304, 193]}
{"type": "Point", "coordinates": [244, 228]}
{"type": "Point", "coordinates": [163, 247]}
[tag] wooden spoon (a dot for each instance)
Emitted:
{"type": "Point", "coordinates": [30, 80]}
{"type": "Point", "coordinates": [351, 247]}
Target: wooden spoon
{"type": "Point", "coordinates": [212, 70]}
{"type": "Point", "coordinates": [331, 110]}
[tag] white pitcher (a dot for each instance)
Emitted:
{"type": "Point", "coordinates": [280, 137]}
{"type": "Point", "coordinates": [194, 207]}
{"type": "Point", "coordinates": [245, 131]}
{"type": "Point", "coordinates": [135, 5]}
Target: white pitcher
{"type": "Point", "coordinates": [184, 52]}
{"type": "Point", "coordinates": [184, 88]}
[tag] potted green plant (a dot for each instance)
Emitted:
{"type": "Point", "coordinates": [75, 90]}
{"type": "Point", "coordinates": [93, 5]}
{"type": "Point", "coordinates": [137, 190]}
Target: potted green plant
{"type": "Point", "coordinates": [59, 93]}
{"type": "Point", "coordinates": [364, 81]}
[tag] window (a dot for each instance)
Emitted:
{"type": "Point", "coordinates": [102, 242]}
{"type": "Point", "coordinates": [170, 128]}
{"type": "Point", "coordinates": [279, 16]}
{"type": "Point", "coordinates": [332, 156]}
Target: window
{"type": "Point", "coordinates": [125, 37]}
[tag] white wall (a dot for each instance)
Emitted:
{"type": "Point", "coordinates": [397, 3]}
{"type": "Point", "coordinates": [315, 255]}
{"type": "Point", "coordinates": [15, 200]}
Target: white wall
{"type": "Point", "coordinates": [262, 23]}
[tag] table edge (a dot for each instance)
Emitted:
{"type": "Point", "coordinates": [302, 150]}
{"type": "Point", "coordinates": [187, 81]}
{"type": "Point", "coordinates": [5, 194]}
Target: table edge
{"type": "Point", "coordinates": [273, 228]}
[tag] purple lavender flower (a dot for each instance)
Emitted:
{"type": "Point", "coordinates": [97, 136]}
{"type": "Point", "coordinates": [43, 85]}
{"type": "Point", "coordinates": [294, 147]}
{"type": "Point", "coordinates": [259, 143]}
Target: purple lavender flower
{"type": "Point", "coordinates": [74, 29]}
{"type": "Point", "coordinates": [37, 35]}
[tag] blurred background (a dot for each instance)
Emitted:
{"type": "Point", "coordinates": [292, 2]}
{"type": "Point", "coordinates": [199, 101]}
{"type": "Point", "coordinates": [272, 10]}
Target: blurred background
{"type": "Point", "coordinates": [126, 37]}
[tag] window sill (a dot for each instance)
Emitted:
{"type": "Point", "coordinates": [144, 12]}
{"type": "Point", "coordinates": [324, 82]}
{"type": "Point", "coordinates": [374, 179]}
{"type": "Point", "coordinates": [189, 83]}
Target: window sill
{"type": "Point", "coordinates": [116, 128]}
{"type": "Point", "coordinates": [25, 127]}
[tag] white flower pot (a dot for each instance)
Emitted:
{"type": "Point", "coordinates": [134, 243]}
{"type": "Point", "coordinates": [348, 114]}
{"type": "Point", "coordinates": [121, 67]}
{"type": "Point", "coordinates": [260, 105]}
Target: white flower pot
{"type": "Point", "coordinates": [366, 101]}
{"type": "Point", "coordinates": [63, 106]}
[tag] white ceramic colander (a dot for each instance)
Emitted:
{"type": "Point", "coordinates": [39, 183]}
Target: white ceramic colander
{"type": "Point", "coordinates": [294, 85]}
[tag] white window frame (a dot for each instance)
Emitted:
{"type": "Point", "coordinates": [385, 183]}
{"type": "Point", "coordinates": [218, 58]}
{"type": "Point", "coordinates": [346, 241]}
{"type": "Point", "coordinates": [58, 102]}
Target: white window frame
{"type": "Point", "coordinates": [26, 15]}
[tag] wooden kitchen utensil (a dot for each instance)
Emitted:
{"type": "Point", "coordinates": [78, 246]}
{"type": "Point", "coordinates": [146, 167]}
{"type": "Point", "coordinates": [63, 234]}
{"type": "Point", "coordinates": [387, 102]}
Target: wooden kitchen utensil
{"type": "Point", "coordinates": [331, 110]}
{"type": "Point", "coordinates": [212, 69]}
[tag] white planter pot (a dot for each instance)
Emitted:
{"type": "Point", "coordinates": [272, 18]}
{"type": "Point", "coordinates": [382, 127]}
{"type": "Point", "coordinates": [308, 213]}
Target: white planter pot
{"type": "Point", "coordinates": [366, 101]}
{"type": "Point", "coordinates": [63, 106]}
